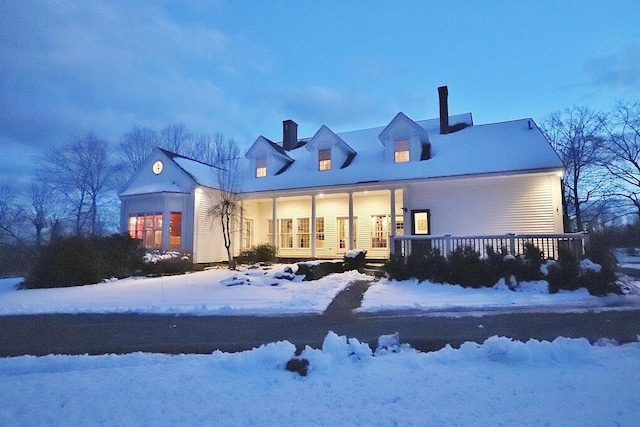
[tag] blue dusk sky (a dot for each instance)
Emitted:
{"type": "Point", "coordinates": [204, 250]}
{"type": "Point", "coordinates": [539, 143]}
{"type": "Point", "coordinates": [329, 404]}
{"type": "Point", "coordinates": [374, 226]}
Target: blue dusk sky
{"type": "Point", "coordinates": [241, 67]}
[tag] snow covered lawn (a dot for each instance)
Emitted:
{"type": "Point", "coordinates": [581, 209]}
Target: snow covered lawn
{"type": "Point", "coordinates": [501, 382]}
{"type": "Point", "coordinates": [218, 292]}
{"type": "Point", "coordinates": [207, 292]}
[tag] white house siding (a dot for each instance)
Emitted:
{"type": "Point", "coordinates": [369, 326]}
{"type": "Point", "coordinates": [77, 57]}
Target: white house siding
{"type": "Point", "coordinates": [489, 205]}
{"type": "Point", "coordinates": [209, 244]}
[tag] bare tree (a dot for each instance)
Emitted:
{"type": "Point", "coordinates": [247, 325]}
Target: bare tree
{"type": "Point", "coordinates": [82, 171]}
{"type": "Point", "coordinates": [41, 206]}
{"type": "Point", "coordinates": [12, 216]}
{"type": "Point", "coordinates": [226, 203]}
{"type": "Point", "coordinates": [577, 134]}
{"type": "Point", "coordinates": [175, 138]}
{"type": "Point", "coordinates": [623, 153]}
{"type": "Point", "coordinates": [135, 147]}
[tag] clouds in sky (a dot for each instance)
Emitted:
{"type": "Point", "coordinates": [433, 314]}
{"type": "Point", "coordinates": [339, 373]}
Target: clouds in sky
{"type": "Point", "coordinates": [240, 68]}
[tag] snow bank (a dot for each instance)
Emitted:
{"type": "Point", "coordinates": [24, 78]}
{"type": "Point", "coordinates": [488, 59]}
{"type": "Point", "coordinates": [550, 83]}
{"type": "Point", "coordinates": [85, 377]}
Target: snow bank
{"type": "Point", "coordinates": [505, 382]}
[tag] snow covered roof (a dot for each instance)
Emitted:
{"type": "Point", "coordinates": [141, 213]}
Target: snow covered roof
{"type": "Point", "coordinates": [498, 148]}
{"type": "Point", "coordinates": [507, 147]}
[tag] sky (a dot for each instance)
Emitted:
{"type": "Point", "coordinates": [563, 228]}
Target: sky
{"type": "Point", "coordinates": [68, 68]}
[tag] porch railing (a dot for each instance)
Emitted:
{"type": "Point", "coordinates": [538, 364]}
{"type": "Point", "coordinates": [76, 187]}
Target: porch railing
{"type": "Point", "coordinates": [514, 244]}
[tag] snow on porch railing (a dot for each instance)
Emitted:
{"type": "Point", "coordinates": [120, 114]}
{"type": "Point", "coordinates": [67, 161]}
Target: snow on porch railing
{"type": "Point", "coordinates": [511, 243]}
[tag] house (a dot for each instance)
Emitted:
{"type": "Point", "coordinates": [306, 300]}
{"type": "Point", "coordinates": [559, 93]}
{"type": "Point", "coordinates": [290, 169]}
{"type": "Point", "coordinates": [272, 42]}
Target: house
{"type": "Point", "coordinates": [318, 197]}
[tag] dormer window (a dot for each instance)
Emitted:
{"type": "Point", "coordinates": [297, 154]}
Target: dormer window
{"type": "Point", "coordinates": [401, 151]}
{"type": "Point", "coordinates": [261, 167]}
{"type": "Point", "coordinates": [324, 157]}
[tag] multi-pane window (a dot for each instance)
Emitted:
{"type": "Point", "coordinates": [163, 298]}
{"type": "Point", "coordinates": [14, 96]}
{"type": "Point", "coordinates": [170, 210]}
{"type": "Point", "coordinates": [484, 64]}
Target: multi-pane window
{"type": "Point", "coordinates": [148, 228]}
{"type": "Point", "coordinates": [325, 160]}
{"type": "Point", "coordinates": [401, 151]}
{"type": "Point", "coordinates": [175, 230]}
{"type": "Point", "coordinates": [285, 233]}
{"type": "Point", "coordinates": [399, 226]}
{"type": "Point", "coordinates": [247, 232]}
{"type": "Point", "coordinates": [303, 237]}
{"type": "Point", "coordinates": [379, 231]}
{"type": "Point", "coordinates": [270, 231]}
{"type": "Point", "coordinates": [320, 233]}
{"type": "Point", "coordinates": [261, 167]}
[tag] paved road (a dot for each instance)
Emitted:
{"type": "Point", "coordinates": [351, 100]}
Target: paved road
{"type": "Point", "coordinates": [124, 333]}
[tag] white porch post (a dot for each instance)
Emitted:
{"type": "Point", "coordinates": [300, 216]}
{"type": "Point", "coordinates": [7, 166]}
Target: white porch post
{"type": "Point", "coordinates": [351, 236]}
{"type": "Point", "coordinates": [274, 226]}
{"type": "Point", "coordinates": [392, 226]}
{"type": "Point", "coordinates": [313, 226]}
{"type": "Point", "coordinates": [241, 228]}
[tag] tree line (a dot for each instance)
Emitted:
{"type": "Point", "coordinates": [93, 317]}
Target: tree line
{"type": "Point", "coordinates": [75, 191]}
{"type": "Point", "coordinates": [601, 155]}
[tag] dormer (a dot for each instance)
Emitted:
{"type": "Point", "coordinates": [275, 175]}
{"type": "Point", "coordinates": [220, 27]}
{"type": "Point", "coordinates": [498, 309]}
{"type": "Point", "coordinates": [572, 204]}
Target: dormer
{"type": "Point", "coordinates": [268, 158]}
{"type": "Point", "coordinates": [405, 140]}
{"type": "Point", "coordinates": [329, 150]}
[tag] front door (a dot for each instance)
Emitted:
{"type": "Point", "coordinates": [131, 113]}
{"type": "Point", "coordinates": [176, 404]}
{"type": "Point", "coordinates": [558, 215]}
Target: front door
{"type": "Point", "coordinates": [343, 233]}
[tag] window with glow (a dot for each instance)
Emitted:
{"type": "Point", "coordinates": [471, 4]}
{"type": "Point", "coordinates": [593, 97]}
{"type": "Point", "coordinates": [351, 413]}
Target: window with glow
{"type": "Point", "coordinates": [401, 151]}
{"type": "Point", "coordinates": [261, 167]}
{"type": "Point", "coordinates": [399, 226]}
{"type": "Point", "coordinates": [270, 231]}
{"type": "Point", "coordinates": [147, 228]}
{"type": "Point", "coordinates": [379, 231]}
{"type": "Point", "coordinates": [175, 230]}
{"type": "Point", "coordinates": [421, 222]}
{"type": "Point", "coordinates": [303, 236]}
{"type": "Point", "coordinates": [247, 230]}
{"type": "Point", "coordinates": [325, 159]}
{"type": "Point", "coordinates": [319, 233]}
{"type": "Point", "coordinates": [285, 233]}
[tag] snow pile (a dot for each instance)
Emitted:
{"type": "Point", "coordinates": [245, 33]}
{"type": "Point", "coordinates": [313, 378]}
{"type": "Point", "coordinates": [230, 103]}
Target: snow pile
{"type": "Point", "coordinates": [354, 253]}
{"type": "Point", "coordinates": [588, 265]}
{"type": "Point", "coordinates": [505, 382]}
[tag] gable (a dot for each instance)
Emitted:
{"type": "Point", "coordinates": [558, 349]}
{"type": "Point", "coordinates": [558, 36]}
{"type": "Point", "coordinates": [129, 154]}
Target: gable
{"type": "Point", "coordinates": [159, 174]}
{"type": "Point", "coordinates": [325, 139]}
{"type": "Point", "coordinates": [267, 154]}
{"type": "Point", "coordinates": [402, 128]}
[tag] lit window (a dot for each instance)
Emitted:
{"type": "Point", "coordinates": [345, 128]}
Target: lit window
{"type": "Point", "coordinates": [401, 151]}
{"type": "Point", "coordinates": [304, 233]}
{"type": "Point", "coordinates": [175, 230]}
{"type": "Point", "coordinates": [320, 233]}
{"type": "Point", "coordinates": [261, 167]}
{"type": "Point", "coordinates": [285, 233]}
{"type": "Point", "coordinates": [147, 228]}
{"type": "Point", "coordinates": [379, 231]}
{"type": "Point", "coordinates": [248, 230]}
{"type": "Point", "coordinates": [325, 160]}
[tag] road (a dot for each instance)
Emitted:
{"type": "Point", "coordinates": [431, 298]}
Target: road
{"type": "Point", "coordinates": [125, 333]}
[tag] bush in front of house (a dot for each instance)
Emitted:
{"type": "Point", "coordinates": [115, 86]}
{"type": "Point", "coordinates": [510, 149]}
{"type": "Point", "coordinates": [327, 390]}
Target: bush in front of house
{"type": "Point", "coordinates": [468, 269]}
{"type": "Point", "coordinates": [354, 259]}
{"type": "Point", "coordinates": [263, 252]}
{"type": "Point", "coordinates": [76, 261]}
{"type": "Point", "coordinates": [164, 263]}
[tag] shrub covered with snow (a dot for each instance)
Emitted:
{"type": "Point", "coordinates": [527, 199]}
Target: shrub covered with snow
{"type": "Point", "coordinates": [354, 259]}
{"type": "Point", "coordinates": [167, 262]}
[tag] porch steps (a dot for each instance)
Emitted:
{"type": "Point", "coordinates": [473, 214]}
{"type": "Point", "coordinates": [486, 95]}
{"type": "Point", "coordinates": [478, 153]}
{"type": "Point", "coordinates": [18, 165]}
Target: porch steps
{"type": "Point", "coordinates": [375, 269]}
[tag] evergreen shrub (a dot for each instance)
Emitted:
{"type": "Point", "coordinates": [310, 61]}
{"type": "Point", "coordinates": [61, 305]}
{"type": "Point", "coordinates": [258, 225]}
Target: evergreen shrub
{"type": "Point", "coordinates": [263, 252]}
{"type": "Point", "coordinates": [76, 261]}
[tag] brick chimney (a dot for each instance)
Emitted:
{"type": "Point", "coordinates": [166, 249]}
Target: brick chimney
{"type": "Point", "coordinates": [443, 93]}
{"type": "Point", "coordinates": [289, 135]}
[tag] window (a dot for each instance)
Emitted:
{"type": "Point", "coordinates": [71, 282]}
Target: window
{"type": "Point", "coordinates": [325, 160]}
{"type": "Point", "coordinates": [379, 231]}
{"type": "Point", "coordinates": [285, 233]}
{"type": "Point", "coordinates": [401, 151]}
{"type": "Point", "coordinates": [247, 230]}
{"type": "Point", "coordinates": [175, 230]}
{"type": "Point", "coordinates": [148, 228]}
{"type": "Point", "coordinates": [261, 167]}
{"type": "Point", "coordinates": [270, 231]}
{"type": "Point", "coordinates": [304, 233]}
{"type": "Point", "coordinates": [421, 222]}
{"type": "Point", "coordinates": [399, 226]}
{"type": "Point", "coordinates": [320, 233]}
{"type": "Point", "coordinates": [342, 224]}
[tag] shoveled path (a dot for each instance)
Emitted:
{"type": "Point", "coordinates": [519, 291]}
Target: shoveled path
{"type": "Point", "coordinates": [347, 300]}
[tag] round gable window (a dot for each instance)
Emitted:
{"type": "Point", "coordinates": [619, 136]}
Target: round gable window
{"type": "Point", "coordinates": [157, 167]}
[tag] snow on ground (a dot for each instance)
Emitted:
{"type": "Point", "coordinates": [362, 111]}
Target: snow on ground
{"type": "Point", "coordinates": [500, 382]}
{"type": "Point", "coordinates": [200, 293]}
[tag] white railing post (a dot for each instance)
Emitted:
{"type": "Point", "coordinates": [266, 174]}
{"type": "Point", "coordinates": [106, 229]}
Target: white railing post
{"type": "Point", "coordinates": [512, 243]}
{"type": "Point", "coordinates": [447, 245]}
